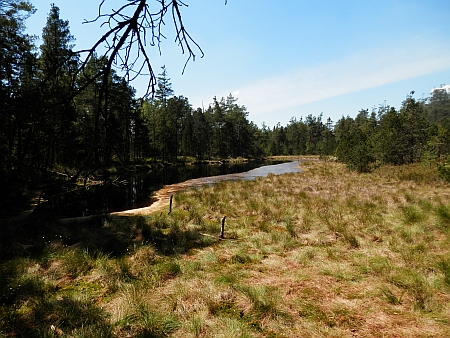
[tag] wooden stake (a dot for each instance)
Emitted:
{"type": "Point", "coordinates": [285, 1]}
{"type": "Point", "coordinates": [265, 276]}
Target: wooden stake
{"type": "Point", "coordinates": [170, 206]}
{"type": "Point", "coordinates": [222, 233]}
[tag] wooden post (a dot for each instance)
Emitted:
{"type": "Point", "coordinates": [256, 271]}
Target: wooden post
{"type": "Point", "coordinates": [170, 206]}
{"type": "Point", "coordinates": [222, 235]}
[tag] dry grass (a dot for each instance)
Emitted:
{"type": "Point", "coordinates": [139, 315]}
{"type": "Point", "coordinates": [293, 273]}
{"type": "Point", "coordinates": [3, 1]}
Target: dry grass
{"type": "Point", "coordinates": [323, 253]}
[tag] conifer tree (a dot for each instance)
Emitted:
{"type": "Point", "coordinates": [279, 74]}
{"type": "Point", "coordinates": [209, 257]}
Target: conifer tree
{"type": "Point", "coordinates": [17, 60]}
{"type": "Point", "coordinates": [57, 64]}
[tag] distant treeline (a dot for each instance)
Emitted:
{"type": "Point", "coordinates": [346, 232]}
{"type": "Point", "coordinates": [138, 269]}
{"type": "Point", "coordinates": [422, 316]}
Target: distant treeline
{"type": "Point", "coordinates": [53, 118]}
{"type": "Point", "coordinates": [418, 132]}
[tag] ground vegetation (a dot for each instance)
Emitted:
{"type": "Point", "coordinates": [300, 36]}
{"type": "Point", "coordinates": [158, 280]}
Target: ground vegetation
{"type": "Point", "coordinates": [326, 252]}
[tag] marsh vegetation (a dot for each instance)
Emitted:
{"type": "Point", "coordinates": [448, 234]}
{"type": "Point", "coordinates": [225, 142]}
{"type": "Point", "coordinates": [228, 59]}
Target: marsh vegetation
{"type": "Point", "coordinates": [326, 252]}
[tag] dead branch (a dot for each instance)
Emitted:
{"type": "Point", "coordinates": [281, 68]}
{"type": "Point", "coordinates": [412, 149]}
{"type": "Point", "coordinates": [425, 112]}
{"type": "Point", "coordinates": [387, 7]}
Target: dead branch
{"type": "Point", "coordinates": [129, 35]}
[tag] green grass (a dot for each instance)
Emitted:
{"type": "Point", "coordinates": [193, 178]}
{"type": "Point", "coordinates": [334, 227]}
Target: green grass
{"type": "Point", "coordinates": [323, 253]}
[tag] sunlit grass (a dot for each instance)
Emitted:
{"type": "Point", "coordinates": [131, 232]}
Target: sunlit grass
{"type": "Point", "coordinates": [322, 253]}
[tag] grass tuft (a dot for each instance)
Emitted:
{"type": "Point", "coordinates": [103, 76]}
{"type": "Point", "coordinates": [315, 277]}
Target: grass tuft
{"type": "Point", "coordinates": [264, 300]}
{"type": "Point", "coordinates": [145, 322]}
{"type": "Point", "coordinates": [444, 266]}
{"type": "Point", "coordinates": [78, 262]}
{"type": "Point", "coordinates": [412, 215]}
{"type": "Point", "coordinates": [443, 213]}
{"type": "Point", "coordinates": [391, 297]}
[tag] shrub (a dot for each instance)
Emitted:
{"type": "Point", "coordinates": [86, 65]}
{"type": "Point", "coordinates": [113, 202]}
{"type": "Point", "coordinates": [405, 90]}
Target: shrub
{"type": "Point", "coordinates": [444, 171]}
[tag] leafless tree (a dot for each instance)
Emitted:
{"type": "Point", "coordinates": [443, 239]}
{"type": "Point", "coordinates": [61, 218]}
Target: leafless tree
{"type": "Point", "coordinates": [131, 29]}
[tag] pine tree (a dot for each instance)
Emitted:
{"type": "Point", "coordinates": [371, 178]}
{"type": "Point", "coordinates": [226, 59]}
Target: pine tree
{"type": "Point", "coordinates": [163, 123]}
{"type": "Point", "coordinates": [17, 61]}
{"type": "Point", "coordinates": [57, 63]}
{"type": "Point", "coordinates": [164, 88]}
{"type": "Point", "coordinates": [415, 128]}
{"type": "Point", "coordinates": [353, 148]}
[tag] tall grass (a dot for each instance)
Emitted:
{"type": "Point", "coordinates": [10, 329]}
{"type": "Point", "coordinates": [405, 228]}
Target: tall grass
{"type": "Point", "coordinates": [325, 252]}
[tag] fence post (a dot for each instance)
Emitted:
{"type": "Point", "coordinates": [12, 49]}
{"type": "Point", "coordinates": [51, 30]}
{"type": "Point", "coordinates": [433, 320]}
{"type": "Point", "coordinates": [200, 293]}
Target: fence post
{"type": "Point", "coordinates": [170, 206]}
{"type": "Point", "coordinates": [222, 233]}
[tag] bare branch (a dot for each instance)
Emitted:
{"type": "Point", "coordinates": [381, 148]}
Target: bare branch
{"type": "Point", "coordinates": [131, 30]}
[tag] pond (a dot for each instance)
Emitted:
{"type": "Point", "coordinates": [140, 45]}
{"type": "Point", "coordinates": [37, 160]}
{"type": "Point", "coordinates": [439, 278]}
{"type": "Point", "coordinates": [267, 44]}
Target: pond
{"type": "Point", "coordinates": [140, 189]}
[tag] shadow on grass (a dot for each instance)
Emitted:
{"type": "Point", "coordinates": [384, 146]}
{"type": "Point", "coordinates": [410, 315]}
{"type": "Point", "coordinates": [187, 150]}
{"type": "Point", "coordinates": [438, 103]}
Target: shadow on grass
{"type": "Point", "coordinates": [31, 305]}
{"type": "Point", "coordinates": [56, 317]}
{"type": "Point", "coordinates": [113, 236]}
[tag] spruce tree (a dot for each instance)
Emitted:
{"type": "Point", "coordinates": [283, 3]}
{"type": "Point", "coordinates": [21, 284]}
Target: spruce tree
{"type": "Point", "coordinates": [57, 64]}
{"type": "Point", "coordinates": [163, 122]}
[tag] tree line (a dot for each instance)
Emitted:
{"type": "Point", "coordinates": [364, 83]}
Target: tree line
{"type": "Point", "coordinates": [59, 119]}
{"type": "Point", "coordinates": [417, 132]}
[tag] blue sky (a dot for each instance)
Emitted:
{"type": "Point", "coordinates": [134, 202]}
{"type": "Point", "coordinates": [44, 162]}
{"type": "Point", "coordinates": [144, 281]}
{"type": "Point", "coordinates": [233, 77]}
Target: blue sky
{"type": "Point", "coordinates": [292, 58]}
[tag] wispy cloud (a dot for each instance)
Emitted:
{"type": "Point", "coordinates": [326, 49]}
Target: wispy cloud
{"type": "Point", "coordinates": [365, 70]}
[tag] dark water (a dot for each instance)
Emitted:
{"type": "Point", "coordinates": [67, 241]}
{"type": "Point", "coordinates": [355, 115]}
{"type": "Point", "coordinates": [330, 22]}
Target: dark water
{"type": "Point", "coordinates": [135, 189]}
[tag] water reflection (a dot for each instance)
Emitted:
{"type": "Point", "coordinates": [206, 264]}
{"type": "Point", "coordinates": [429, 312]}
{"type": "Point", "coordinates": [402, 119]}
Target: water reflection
{"type": "Point", "coordinates": [162, 196]}
{"type": "Point", "coordinates": [135, 190]}
{"type": "Point", "coordinates": [179, 178]}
